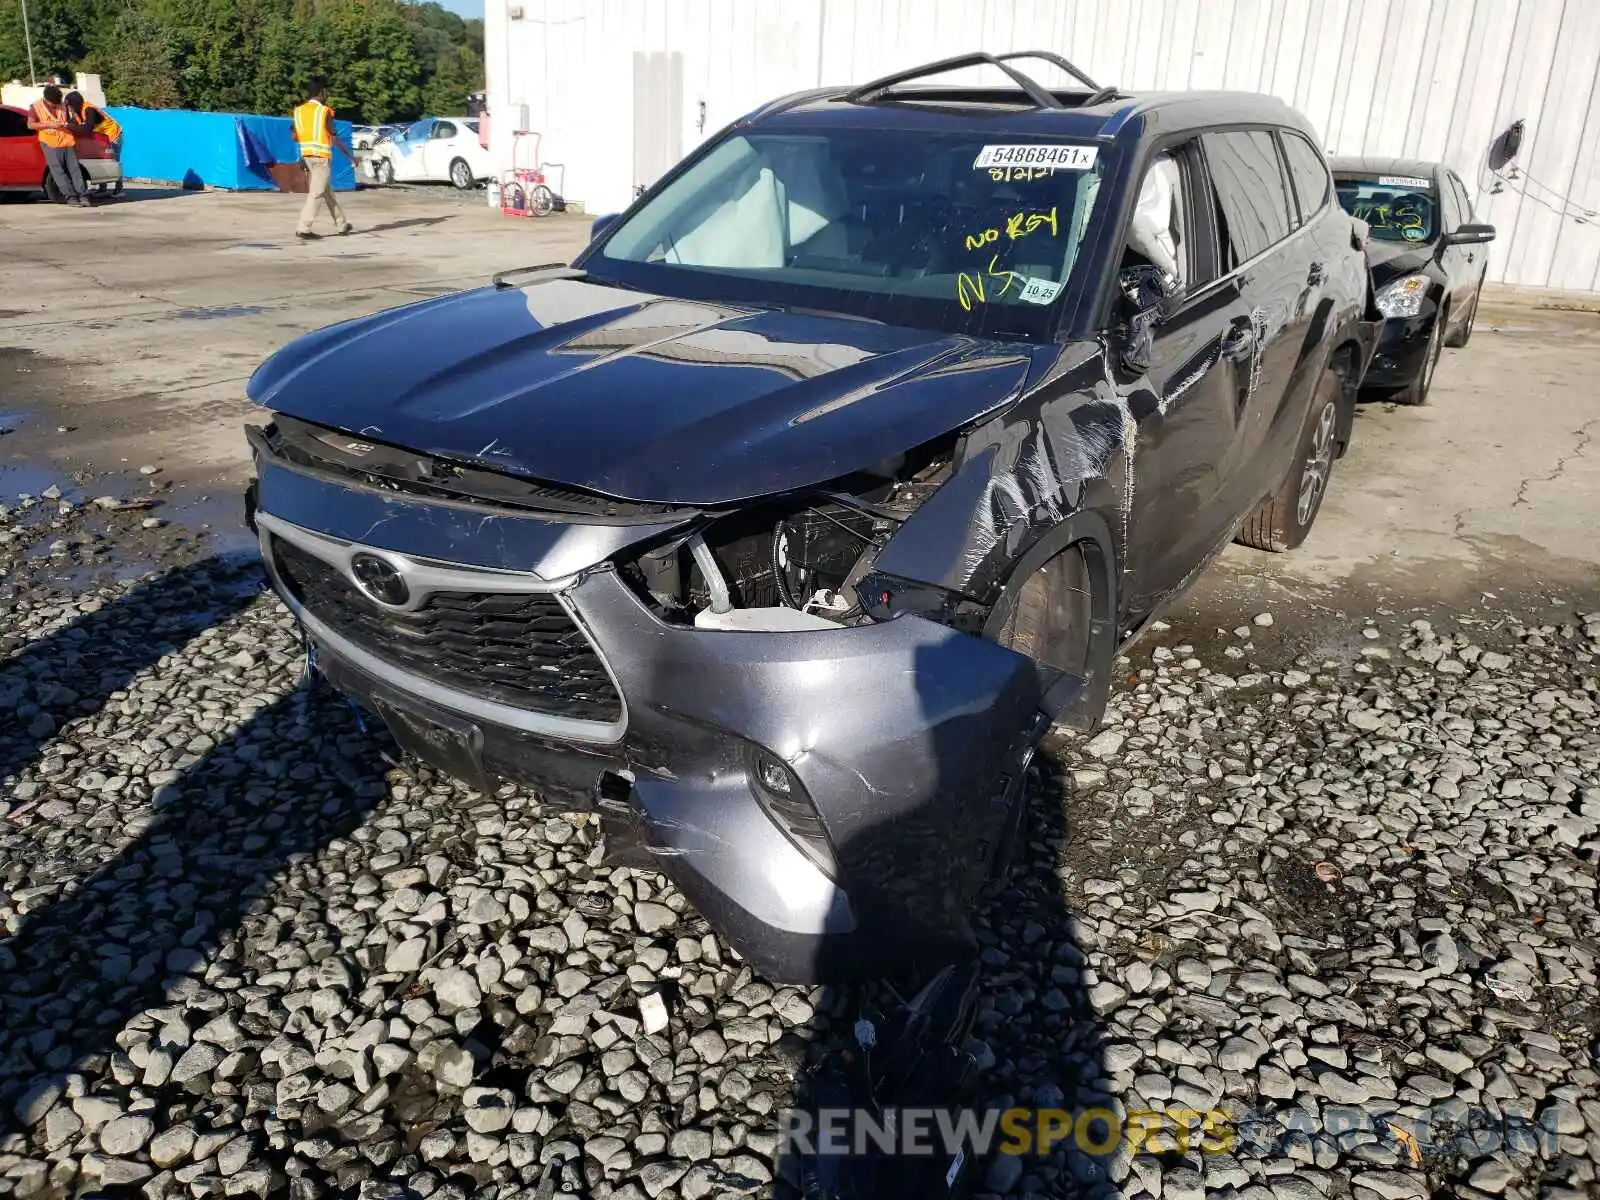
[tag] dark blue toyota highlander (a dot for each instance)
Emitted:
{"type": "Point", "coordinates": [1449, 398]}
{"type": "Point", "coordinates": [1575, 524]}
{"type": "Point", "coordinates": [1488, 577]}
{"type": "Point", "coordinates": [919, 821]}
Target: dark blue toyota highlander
{"type": "Point", "coordinates": [781, 525]}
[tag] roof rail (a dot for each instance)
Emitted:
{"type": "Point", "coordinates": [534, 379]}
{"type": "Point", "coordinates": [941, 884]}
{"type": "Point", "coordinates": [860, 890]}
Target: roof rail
{"type": "Point", "coordinates": [1040, 95]}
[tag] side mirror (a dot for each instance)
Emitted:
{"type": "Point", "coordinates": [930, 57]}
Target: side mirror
{"type": "Point", "coordinates": [1149, 297]}
{"type": "Point", "coordinates": [1464, 235]}
{"type": "Point", "coordinates": [601, 224]}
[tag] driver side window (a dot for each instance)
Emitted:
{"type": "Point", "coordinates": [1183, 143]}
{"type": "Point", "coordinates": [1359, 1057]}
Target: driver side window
{"type": "Point", "coordinates": [1158, 235]}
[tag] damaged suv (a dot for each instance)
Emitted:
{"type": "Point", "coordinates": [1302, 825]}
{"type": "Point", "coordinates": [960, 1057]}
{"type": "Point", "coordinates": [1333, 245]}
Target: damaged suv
{"type": "Point", "coordinates": [781, 525]}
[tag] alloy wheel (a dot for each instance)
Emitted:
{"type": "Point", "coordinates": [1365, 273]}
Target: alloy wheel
{"type": "Point", "coordinates": [1319, 462]}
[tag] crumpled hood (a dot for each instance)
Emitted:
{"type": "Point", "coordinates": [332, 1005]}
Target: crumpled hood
{"type": "Point", "coordinates": [639, 396]}
{"type": "Point", "coordinates": [1390, 260]}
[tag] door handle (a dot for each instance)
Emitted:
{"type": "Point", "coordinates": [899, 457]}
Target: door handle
{"type": "Point", "coordinates": [1240, 340]}
{"type": "Point", "coordinates": [1317, 275]}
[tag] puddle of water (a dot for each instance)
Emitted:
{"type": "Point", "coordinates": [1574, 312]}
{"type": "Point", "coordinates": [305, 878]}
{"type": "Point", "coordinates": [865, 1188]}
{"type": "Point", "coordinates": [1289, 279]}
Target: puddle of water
{"type": "Point", "coordinates": [26, 478]}
{"type": "Point", "coordinates": [220, 515]}
{"type": "Point", "coordinates": [216, 314]}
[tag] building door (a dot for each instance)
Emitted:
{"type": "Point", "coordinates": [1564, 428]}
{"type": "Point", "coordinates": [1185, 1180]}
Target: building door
{"type": "Point", "coordinates": [657, 115]}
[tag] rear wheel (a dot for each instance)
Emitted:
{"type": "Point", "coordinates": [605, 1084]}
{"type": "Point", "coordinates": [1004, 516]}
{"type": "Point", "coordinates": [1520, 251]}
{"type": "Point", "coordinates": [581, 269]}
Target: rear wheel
{"type": "Point", "coordinates": [541, 201]}
{"type": "Point", "coordinates": [54, 194]}
{"type": "Point", "coordinates": [383, 171]}
{"type": "Point", "coordinates": [461, 174]}
{"type": "Point", "coordinates": [1285, 518]}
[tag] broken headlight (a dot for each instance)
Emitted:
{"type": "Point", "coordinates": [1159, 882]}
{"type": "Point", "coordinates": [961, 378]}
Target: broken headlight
{"type": "Point", "coordinates": [805, 558]}
{"type": "Point", "coordinates": [1403, 297]}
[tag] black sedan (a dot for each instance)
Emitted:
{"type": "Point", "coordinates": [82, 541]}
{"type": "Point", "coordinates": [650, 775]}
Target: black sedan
{"type": "Point", "coordinates": [1427, 259]}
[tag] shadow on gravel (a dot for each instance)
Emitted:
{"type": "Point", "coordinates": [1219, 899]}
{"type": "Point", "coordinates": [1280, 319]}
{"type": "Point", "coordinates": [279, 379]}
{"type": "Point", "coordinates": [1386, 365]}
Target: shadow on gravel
{"type": "Point", "coordinates": [136, 933]}
{"type": "Point", "coordinates": [1002, 1045]}
{"type": "Point", "coordinates": [73, 671]}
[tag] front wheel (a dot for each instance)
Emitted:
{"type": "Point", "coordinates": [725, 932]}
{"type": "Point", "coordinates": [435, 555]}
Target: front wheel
{"type": "Point", "coordinates": [461, 175]}
{"type": "Point", "coordinates": [1285, 518]}
{"type": "Point", "coordinates": [1464, 335]}
{"type": "Point", "coordinates": [541, 201]}
{"type": "Point", "coordinates": [1417, 393]}
{"type": "Point", "coordinates": [383, 171]}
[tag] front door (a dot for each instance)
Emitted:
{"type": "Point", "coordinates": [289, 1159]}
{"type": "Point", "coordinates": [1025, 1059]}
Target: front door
{"type": "Point", "coordinates": [1186, 405]}
{"type": "Point", "coordinates": [408, 155]}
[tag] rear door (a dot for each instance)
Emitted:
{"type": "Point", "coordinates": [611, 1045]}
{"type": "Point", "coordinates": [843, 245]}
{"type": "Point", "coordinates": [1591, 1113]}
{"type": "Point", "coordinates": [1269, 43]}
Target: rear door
{"type": "Point", "coordinates": [1276, 265]}
{"type": "Point", "coordinates": [441, 149]}
{"type": "Point", "coordinates": [21, 160]}
{"type": "Point", "coordinates": [1185, 405]}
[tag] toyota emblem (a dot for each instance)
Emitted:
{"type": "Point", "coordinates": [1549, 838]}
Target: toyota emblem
{"type": "Point", "coordinates": [380, 579]}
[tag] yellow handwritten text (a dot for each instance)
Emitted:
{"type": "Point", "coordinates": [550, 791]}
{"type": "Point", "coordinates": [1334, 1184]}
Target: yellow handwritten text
{"type": "Point", "coordinates": [970, 287]}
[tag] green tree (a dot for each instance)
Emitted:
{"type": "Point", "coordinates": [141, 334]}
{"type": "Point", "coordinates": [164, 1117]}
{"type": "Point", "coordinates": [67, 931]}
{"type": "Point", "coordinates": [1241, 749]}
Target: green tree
{"type": "Point", "coordinates": [139, 70]}
{"type": "Point", "coordinates": [384, 59]}
{"type": "Point", "coordinates": [56, 28]}
{"type": "Point", "coordinates": [459, 73]}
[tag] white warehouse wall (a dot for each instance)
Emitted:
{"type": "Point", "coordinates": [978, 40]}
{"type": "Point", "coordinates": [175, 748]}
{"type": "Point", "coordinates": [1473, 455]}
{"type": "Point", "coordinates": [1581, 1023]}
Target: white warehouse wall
{"type": "Point", "coordinates": [1432, 79]}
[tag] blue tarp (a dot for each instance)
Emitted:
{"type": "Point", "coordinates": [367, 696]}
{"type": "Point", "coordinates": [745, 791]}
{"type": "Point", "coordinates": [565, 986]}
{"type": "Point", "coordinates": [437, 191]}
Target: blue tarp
{"type": "Point", "coordinates": [220, 150]}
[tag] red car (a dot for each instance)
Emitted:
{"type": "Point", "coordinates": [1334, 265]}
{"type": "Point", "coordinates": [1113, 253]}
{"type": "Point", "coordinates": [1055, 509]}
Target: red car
{"type": "Point", "coordinates": [22, 162]}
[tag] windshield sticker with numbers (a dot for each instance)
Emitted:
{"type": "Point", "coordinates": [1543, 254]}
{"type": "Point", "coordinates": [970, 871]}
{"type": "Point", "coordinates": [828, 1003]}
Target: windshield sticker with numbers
{"type": "Point", "coordinates": [1403, 181]}
{"type": "Point", "coordinates": [1061, 158]}
{"type": "Point", "coordinates": [1040, 291]}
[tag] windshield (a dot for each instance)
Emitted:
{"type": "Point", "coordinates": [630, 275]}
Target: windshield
{"type": "Point", "coordinates": [950, 232]}
{"type": "Point", "coordinates": [1399, 208]}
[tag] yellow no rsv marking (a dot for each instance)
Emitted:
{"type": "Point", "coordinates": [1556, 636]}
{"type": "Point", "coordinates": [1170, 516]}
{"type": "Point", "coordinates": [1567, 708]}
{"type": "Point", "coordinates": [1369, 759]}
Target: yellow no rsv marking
{"type": "Point", "coordinates": [1018, 225]}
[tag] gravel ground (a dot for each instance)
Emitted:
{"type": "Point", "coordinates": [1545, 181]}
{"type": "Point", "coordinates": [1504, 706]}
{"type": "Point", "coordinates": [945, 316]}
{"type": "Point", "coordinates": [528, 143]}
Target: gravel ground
{"type": "Point", "coordinates": [1347, 894]}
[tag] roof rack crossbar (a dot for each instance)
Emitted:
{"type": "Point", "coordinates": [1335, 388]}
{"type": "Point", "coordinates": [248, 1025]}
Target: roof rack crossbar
{"type": "Point", "coordinates": [1040, 95]}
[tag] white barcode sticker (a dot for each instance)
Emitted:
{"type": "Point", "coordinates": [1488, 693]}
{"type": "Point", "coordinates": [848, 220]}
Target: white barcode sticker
{"type": "Point", "coordinates": [1403, 181]}
{"type": "Point", "coordinates": [1066, 158]}
{"type": "Point", "coordinates": [1040, 291]}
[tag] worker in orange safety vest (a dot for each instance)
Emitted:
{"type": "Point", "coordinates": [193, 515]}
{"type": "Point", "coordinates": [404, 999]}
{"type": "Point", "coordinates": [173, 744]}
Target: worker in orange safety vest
{"type": "Point", "coordinates": [53, 123]}
{"type": "Point", "coordinates": [313, 132]}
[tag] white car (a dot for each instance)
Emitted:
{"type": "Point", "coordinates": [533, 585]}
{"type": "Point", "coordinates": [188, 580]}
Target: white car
{"type": "Point", "coordinates": [433, 150]}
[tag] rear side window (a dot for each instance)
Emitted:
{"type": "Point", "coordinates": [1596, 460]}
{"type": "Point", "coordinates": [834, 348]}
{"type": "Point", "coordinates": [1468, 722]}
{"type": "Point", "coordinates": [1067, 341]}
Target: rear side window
{"type": "Point", "coordinates": [1257, 206]}
{"type": "Point", "coordinates": [13, 124]}
{"type": "Point", "coordinates": [1309, 172]}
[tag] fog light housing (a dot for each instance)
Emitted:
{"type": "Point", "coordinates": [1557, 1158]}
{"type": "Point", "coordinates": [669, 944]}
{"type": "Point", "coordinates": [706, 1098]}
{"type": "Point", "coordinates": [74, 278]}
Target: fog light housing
{"type": "Point", "coordinates": [784, 799]}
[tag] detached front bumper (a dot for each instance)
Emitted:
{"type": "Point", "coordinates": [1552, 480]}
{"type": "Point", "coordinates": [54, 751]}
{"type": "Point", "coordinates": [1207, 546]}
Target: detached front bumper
{"type": "Point", "coordinates": [909, 741]}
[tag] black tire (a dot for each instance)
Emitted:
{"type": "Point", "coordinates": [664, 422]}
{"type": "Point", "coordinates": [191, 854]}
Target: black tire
{"type": "Point", "coordinates": [1463, 335]}
{"type": "Point", "coordinates": [1050, 622]}
{"type": "Point", "coordinates": [461, 175]}
{"type": "Point", "coordinates": [1285, 518]}
{"type": "Point", "coordinates": [541, 201]}
{"type": "Point", "coordinates": [53, 194]}
{"type": "Point", "coordinates": [383, 172]}
{"type": "Point", "coordinates": [1417, 393]}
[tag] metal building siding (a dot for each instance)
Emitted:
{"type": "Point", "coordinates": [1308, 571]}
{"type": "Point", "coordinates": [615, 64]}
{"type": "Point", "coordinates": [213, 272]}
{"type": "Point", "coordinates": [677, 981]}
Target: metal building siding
{"type": "Point", "coordinates": [1431, 79]}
